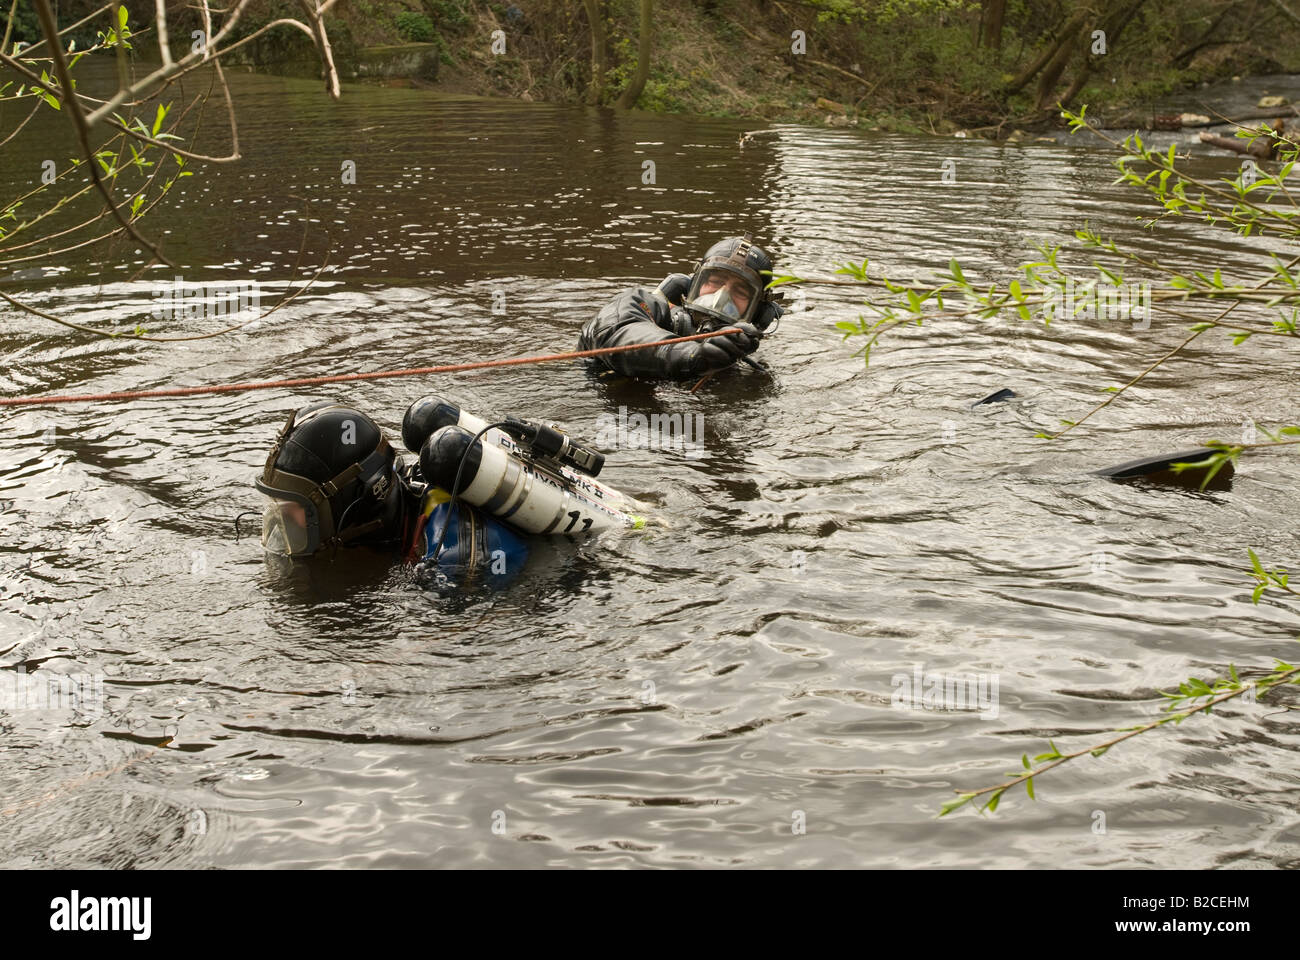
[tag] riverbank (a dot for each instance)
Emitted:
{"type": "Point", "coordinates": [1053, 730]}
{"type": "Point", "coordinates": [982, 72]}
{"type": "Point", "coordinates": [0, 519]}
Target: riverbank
{"type": "Point", "coordinates": [934, 70]}
{"type": "Point", "coordinates": [925, 66]}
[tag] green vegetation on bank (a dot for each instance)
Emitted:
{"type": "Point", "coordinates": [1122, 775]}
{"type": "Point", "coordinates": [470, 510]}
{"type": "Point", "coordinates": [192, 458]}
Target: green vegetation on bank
{"type": "Point", "coordinates": [922, 65]}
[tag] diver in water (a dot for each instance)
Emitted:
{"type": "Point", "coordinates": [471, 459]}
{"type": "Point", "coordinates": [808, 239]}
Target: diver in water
{"type": "Point", "coordinates": [727, 289]}
{"type": "Point", "coordinates": [334, 481]}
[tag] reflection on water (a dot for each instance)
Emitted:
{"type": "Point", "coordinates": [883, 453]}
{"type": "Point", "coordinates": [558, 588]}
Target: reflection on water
{"type": "Point", "coordinates": [672, 698]}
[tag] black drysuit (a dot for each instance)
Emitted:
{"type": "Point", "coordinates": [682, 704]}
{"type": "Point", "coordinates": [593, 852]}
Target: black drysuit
{"type": "Point", "coordinates": [641, 315]}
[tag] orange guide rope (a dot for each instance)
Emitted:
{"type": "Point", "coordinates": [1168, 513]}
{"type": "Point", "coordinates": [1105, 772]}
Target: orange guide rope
{"type": "Point", "coordinates": [344, 377]}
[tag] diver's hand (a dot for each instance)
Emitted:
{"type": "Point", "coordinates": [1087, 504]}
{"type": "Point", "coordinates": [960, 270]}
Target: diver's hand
{"type": "Point", "coordinates": [683, 323]}
{"type": "Point", "coordinates": [675, 287]}
{"type": "Point", "coordinates": [768, 312]}
{"type": "Point", "coordinates": [718, 352]}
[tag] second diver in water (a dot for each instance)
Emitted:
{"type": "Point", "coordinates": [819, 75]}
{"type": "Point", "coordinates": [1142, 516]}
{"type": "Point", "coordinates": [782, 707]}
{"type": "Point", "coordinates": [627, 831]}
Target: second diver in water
{"type": "Point", "coordinates": [333, 480]}
{"type": "Point", "coordinates": [727, 289]}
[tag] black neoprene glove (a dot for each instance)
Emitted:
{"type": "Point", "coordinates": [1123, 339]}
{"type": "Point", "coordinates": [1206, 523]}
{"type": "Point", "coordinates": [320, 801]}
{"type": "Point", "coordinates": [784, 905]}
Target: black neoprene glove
{"type": "Point", "coordinates": [675, 287]}
{"type": "Point", "coordinates": [719, 352]}
{"type": "Point", "coordinates": [768, 312]}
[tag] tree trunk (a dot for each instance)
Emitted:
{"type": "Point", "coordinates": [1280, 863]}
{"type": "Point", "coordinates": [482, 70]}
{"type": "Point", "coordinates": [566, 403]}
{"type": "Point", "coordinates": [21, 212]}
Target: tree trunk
{"type": "Point", "coordinates": [596, 17]}
{"type": "Point", "coordinates": [1114, 27]}
{"type": "Point", "coordinates": [1066, 34]}
{"type": "Point", "coordinates": [1056, 66]}
{"type": "Point", "coordinates": [991, 23]}
{"type": "Point", "coordinates": [633, 91]}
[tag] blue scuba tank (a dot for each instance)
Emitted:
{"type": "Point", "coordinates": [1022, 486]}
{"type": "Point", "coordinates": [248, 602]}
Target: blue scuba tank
{"type": "Point", "coordinates": [476, 543]}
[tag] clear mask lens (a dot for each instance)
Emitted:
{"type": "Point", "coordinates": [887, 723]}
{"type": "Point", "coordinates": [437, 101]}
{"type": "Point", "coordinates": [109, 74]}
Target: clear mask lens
{"type": "Point", "coordinates": [284, 528]}
{"type": "Point", "coordinates": [719, 302]}
{"type": "Point", "coordinates": [724, 294]}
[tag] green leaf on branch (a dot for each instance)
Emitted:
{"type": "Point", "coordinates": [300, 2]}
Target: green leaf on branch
{"type": "Point", "coordinates": [159, 117]}
{"type": "Point", "coordinates": [952, 805]}
{"type": "Point", "coordinates": [786, 278]}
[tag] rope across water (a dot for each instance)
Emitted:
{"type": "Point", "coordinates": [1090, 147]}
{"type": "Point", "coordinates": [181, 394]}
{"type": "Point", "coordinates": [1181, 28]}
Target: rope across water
{"type": "Point", "coordinates": [344, 377]}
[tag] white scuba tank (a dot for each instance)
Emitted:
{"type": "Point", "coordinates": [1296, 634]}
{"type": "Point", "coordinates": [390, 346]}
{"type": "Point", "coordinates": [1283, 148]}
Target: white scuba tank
{"type": "Point", "coordinates": [534, 496]}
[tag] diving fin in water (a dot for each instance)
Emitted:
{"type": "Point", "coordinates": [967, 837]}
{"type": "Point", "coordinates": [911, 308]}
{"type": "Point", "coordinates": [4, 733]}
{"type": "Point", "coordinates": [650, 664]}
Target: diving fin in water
{"type": "Point", "coordinates": [999, 397]}
{"type": "Point", "coordinates": [1159, 469]}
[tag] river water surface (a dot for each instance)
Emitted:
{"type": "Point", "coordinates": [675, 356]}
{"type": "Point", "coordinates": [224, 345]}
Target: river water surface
{"type": "Point", "coordinates": [719, 694]}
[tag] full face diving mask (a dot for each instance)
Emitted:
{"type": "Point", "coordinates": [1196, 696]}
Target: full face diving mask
{"type": "Point", "coordinates": [725, 290]}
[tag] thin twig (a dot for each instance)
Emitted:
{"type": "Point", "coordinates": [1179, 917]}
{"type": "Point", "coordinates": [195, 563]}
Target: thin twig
{"type": "Point", "coordinates": [39, 43]}
{"type": "Point", "coordinates": [284, 301]}
{"type": "Point", "coordinates": [1276, 679]}
{"type": "Point", "coordinates": [9, 26]}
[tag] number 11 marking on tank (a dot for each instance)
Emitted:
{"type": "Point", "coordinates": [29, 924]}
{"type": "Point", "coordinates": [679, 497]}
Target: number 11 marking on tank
{"type": "Point", "coordinates": [575, 516]}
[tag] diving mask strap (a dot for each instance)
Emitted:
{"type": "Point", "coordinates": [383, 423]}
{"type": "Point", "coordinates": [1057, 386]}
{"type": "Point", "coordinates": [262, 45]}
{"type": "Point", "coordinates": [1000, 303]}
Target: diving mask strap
{"type": "Point", "coordinates": [269, 471]}
{"type": "Point", "coordinates": [324, 493]}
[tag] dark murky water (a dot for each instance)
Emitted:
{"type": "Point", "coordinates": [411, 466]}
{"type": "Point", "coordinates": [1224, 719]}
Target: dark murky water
{"type": "Point", "coordinates": [673, 699]}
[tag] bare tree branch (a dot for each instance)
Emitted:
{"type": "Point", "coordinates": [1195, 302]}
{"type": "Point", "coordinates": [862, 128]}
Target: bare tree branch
{"type": "Point", "coordinates": [323, 48]}
{"type": "Point", "coordinates": [282, 302]}
{"type": "Point", "coordinates": [85, 112]}
{"type": "Point", "coordinates": [1286, 10]}
{"type": "Point", "coordinates": [9, 26]}
{"type": "Point", "coordinates": [82, 127]}
{"type": "Point", "coordinates": [160, 11]}
{"type": "Point", "coordinates": [187, 62]}
{"type": "Point", "coordinates": [18, 129]}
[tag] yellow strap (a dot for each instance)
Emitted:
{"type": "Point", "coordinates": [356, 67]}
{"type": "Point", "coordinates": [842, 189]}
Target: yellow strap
{"type": "Point", "coordinates": [432, 498]}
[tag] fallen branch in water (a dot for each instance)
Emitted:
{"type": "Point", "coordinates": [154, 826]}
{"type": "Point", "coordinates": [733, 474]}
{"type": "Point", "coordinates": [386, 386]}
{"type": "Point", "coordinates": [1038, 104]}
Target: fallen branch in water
{"type": "Point", "coordinates": [1192, 689]}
